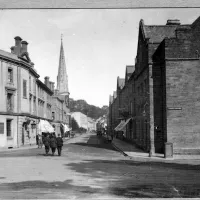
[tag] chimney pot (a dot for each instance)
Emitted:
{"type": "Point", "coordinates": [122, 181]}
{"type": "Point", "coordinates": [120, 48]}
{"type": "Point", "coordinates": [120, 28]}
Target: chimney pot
{"type": "Point", "coordinates": [46, 81]}
{"type": "Point", "coordinates": [12, 50]}
{"type": "Point", "coordinates": [173, 22]}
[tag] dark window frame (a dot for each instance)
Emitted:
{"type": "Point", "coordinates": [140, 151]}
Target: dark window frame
{"type": "Point", "coordinates": [10, 77]}
{"type": "Point", "coordinates": [9, 131]}
{"type": "Point", "coordinates": [24, 88]}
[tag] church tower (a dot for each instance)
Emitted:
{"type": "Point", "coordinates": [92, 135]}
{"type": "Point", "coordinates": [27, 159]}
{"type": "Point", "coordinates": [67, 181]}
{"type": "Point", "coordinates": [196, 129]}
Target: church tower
{"type": "Point", "coordinates": [62, 78]}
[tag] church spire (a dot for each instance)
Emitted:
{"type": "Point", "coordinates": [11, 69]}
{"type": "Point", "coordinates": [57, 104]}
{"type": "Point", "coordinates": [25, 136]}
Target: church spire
{"type": "Point", "coordinates": [62, 78]}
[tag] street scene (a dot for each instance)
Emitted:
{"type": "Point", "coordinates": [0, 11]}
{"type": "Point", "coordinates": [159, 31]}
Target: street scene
{"type": "Point", "coordinates": [91, 168]}
{"type": "Point", "coordinates": [100, 104]}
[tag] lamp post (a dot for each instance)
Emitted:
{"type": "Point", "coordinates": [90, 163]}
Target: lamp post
{"type": "Point", "coordinates": [151, 138]}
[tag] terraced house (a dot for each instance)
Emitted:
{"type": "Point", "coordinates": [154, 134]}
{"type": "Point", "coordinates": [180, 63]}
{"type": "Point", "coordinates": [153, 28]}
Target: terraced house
{"type": "Point", "coordinates": [162, 102]}
{"type": "Point", "coordinates": [26, 101]}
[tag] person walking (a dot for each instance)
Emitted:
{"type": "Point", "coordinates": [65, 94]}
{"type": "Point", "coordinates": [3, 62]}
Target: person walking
{"type": "Point", "coordinates": [53, 144]}
{"type": "Point", "coordinates": [37, 139]}
{"type": "Point", "coordinates": [40, 143]}
{"type": "Point", "coordinates": [59, 144]}
{"type": "Point", "coordinates": [46, 142]}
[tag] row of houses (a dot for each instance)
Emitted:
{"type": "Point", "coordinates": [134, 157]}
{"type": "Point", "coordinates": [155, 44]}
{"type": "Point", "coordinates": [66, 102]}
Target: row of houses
{"type": "Point", "coordinates": [27, 105]}
{"type": "Point", "coordinates": [83, 121]}
{"type": "Point", "coordinates": [157, 104]}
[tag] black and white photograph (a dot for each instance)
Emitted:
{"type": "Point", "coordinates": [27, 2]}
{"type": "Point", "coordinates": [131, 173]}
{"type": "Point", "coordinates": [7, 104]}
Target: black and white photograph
{"type": "Point", "coordinates": [99, 103]}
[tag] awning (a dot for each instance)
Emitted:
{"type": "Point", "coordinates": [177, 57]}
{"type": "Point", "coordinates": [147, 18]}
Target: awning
{"type": "Point", "coordinates": [45, 126]}
{"type": "Point", "coordinates": [66, 127]}
{"type": "Point", "coordinates": [119, 125]}
{"type": "Point", "coordinates": [124, 125]}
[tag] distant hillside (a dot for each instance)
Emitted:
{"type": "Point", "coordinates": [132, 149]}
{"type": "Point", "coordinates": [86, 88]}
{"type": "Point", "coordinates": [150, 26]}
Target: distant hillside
{"type": "Point", "coordinates": [87, 109]}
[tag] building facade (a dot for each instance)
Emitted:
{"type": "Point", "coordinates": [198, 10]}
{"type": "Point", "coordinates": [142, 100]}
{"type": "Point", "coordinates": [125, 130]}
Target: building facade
{"type": "Point", "coordinates": [27, 101]}
{"type": "Point", "coordinates": [24, 97]}
{"type": "Point", "coordinates": [161, 94]}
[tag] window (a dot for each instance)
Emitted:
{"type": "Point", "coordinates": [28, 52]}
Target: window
{"type": "Point", "coordinates": [138, 90]}
{"type": "Point", "coordinates": [34, 106]}
{"type": "Point", "coordinates": [30, 104]}
{"type": "Point", "coordinates": [9, 102]}
{"type": "Point", "coordinates": [34, 86]}
{"type": "Point", "coordinates": [8, 123]}
{"type": "Point", "coordinates": [24, 88]}
{"type": "Point", "coordinates": [145, 84]}
{"type": "Point", "coordinates": [30, 83]}
{"type": "Point", "coordinates": [10, 75]}
{"type": "Point", "coordinates": [142, 89]}
{"type": "Point", "coordinates": [133, 88]}
{"type": "Point", "coordinates": [131, 108]}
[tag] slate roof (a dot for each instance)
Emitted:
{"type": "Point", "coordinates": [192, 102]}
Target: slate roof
{"type": "Point", "coordinates": [8, 55]}
{"type": "Point", "coordinates": [114, 94]}
{"type": "Point", "coordinates": [111, 99]}
{"type": "Point", "coordinates": [130, 69]}
{"type": "Point", "coordinates": [156, 33]}
{"type": "Point", "coordinates": [121, 82]}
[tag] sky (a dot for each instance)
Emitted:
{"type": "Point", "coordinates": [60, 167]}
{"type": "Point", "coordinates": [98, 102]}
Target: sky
{"type": "Point", "coordinates": [98, 43]}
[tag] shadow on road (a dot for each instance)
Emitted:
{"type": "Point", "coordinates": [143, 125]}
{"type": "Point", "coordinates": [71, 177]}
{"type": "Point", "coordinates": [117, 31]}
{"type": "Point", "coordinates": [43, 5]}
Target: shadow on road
{"type": "Point", "coordinates": [143, 179]}
{"type": "Point", "coordinates": [97, 142]}
{"type": "Point", "coordinates": [47, 188]}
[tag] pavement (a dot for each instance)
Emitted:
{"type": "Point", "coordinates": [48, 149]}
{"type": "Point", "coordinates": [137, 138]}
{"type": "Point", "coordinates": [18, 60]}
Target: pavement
{"type": "Point", "coordinates": [132, 151]}
{"type": "Point", "coordinates": [33, 146]}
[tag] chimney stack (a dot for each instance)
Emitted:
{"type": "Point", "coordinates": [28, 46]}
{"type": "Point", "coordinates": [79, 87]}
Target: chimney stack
{"type": "Point", "coordinates": [24, 46]}
{"type": "Point", "coordinates": [17, 49]}
{"type": "Point", "coordinates": [12, 50]}
{"type": "Point", "coordinates": [46, 81]}
{"type": "Point", "coordinates": [50, 85]}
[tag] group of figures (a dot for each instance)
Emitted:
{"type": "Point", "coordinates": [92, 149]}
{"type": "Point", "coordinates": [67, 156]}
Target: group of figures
{"type": "Point", "coordinates": [50, 141]}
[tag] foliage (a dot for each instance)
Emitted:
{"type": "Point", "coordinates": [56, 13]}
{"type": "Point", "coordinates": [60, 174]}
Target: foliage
{"type": "Point", "coordinates": [74, 124]}
{"type": "Point", "coordinates": [89, 110]}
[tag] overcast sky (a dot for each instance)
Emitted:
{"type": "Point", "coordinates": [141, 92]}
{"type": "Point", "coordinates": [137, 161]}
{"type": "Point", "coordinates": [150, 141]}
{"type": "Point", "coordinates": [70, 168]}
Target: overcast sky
{"type": "Point", "coordinates": [98, 43]}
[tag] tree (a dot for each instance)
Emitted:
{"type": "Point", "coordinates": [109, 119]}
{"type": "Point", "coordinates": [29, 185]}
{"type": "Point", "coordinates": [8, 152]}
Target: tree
{"type": "Point", "coordinates": [75, 125]}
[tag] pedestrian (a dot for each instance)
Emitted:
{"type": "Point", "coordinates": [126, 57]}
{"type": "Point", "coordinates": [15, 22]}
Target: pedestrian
{"type": "Point", "coordinates": [46, 142]}
{"type": "Point", "coordinates": [59, 144]}
{"type": "Point", "coordinates": [37, 138]}
{"type": "Point", "coordinates": [53, 144]}
{"type": "Point", "coordinates": [40, 143]}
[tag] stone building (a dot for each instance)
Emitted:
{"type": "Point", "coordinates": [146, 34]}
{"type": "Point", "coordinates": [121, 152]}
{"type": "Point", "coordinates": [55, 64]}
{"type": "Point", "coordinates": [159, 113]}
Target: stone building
{"type": "Point", "coordinates": [176, 94]}
{"type": "Point", "coordinates": [28, 106]}
{"type": "Point", "coordinates": [24, 99]}
{"type": "Point", "coordinates": [162, 94]}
